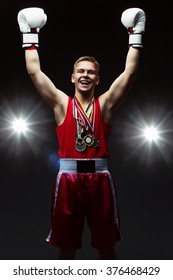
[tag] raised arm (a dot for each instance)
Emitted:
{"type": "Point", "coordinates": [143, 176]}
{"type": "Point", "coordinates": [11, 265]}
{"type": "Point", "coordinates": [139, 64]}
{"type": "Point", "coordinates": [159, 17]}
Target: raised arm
{"type": "Point", "coordinates": [44, 85]}
{"type": "Point", "coordinates": [134, 20]}
{"type": "Point", "coordinates": [31, 20]}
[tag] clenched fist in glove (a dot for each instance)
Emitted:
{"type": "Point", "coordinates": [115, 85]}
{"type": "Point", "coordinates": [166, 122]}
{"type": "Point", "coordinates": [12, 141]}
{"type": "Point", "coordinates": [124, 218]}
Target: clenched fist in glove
{"type": "Point", "coordinates": [30, 21]}
{"type": "Point", "coordinates": [134, 20]}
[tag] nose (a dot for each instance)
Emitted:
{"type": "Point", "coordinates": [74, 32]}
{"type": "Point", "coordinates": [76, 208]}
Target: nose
{"type": "Point", "coordinates": [85, 74]}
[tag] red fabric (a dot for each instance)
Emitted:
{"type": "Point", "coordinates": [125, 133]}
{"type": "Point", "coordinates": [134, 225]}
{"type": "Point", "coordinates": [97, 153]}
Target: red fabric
{"type": "Point", "coordinates": [79, 195]}
{"type": "Point", "coordinates": [66, 133]}
{"type": "Point", "coordinates": [76, 195]}
{"type": "Point", "coordinates": [33, 47]}
{"type": "Point", "coordinates": [130, 30]}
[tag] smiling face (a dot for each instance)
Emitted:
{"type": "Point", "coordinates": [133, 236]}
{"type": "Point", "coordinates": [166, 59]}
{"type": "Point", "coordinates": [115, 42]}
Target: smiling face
{"type": "Point", "coordinates": [85, 77]}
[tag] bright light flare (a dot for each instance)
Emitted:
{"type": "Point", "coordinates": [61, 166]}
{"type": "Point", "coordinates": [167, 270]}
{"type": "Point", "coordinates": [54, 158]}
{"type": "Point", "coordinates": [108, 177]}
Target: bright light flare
{"type": "Point", "coordinates": [25, 126]}
{"type": "Point", "coordinates": [19, 125]}
{"type": "Point", "coordinates": [148, 134]}
{"type": "Point", "coordinates": [151, 134]}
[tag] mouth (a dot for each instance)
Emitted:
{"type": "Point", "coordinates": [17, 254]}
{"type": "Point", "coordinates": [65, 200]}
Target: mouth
{"type": "Point", "coordinates": [85, 82]}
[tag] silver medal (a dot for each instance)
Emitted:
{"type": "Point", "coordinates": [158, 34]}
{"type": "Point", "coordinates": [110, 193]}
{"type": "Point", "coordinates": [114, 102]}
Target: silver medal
{"type": "Point", "coordinates": [80, 145]}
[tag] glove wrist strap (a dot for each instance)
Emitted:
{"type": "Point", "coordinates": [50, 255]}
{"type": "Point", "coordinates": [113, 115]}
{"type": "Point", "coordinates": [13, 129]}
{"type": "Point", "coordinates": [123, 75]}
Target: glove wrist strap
{"type": "Point", "coordinates": [30, 38]}
{"type": "Point", "coordinates": [135, 40]}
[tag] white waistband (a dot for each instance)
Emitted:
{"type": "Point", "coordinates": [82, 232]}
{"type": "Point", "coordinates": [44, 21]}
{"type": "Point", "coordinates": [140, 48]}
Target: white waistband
{"type": "Point", "coordinates": [71, 165]}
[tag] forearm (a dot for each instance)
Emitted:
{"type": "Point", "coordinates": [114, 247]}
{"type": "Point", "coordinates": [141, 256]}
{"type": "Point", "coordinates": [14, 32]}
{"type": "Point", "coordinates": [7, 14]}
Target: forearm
{"type": "Point", "coordinates": [132, 61]}
{"type": "Point", "coordinates": [32, 62]}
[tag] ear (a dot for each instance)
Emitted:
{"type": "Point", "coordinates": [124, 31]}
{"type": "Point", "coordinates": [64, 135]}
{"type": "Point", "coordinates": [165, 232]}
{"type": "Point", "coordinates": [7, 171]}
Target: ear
{"type": "Point", "coordinates": [72, 78]}
{"type": "Point", "coordinates": [98, 80]}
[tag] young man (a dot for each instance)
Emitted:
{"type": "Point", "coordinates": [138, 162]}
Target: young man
{"type": "Point", "coordinates": [84, 187]}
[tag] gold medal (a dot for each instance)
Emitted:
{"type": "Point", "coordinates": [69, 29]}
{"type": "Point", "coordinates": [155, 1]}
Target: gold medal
{"type": "Point", "coordinates": [89, 139]}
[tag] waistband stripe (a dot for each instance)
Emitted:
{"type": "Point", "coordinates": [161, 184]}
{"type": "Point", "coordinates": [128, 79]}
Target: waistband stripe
{"type": "Point", "coordinates": [83, 165]}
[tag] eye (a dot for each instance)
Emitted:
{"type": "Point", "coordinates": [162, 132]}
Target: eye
{"type": "Point", "coordinates": [80, 71]}
{"type": "Point", "coordinates": [92, 72]}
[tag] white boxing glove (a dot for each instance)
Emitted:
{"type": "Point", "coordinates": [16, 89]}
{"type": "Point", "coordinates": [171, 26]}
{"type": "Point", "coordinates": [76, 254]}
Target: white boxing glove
{"type": "Point", "coordinates": [134, 20]}
{"type": "Point", "coordinates": [30, 21]}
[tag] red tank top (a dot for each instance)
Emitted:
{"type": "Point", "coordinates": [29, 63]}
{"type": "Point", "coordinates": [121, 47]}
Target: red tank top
{"type": "Point", "coordinates": [66, 134]}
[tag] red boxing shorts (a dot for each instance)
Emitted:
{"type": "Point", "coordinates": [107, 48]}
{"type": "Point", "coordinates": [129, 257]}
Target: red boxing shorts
{"type": "Point", "coordinates": [84, 188]}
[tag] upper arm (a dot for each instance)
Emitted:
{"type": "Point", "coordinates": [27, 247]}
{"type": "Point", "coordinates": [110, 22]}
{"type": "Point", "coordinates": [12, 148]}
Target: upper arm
{"type": "Point", "coordinates": [111, 99]}
{"type": "Point", "coordinates": [46, 88]}
{"type": "Point", "coordinates": [53, 96]}
{"type": "Point", "coordinates": [56, 98]}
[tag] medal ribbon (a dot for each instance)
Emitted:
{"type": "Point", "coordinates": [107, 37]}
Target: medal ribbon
{"type": "Point", "coordinates": [85, 118]}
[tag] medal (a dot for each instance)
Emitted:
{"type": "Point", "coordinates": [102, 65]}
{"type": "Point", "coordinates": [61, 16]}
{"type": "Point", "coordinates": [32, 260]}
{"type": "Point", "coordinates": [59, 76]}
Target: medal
{"type": "Point", "coordinates": [80, 145]}
{"type": "Point", "coordinates": [85, 122]}
{"type": "Point", "coordinates": [89, 139]}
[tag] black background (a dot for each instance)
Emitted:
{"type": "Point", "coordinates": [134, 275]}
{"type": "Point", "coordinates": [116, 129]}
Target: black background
{"type": "Point", "coordinates": [143, 173]}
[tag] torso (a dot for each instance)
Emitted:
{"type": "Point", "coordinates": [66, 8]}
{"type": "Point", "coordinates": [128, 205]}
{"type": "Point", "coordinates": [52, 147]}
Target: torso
{"type": "Point", "coordinates": [66, 134]}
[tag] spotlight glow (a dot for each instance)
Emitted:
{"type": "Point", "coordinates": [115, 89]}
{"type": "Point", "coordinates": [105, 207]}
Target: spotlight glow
{"type": "Point", "coordinates": [148, 133]}
{"type": "Point", "coordinates": [151, 134]}
{"type": "Point", "coordinates": [22, 123]}
{"type": "Point", "coordinates": [19, 125]}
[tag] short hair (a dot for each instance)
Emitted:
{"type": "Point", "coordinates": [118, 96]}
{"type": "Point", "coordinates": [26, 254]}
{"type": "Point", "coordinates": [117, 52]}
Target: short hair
{"type": "Point", "coordinates": [88, 58]}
